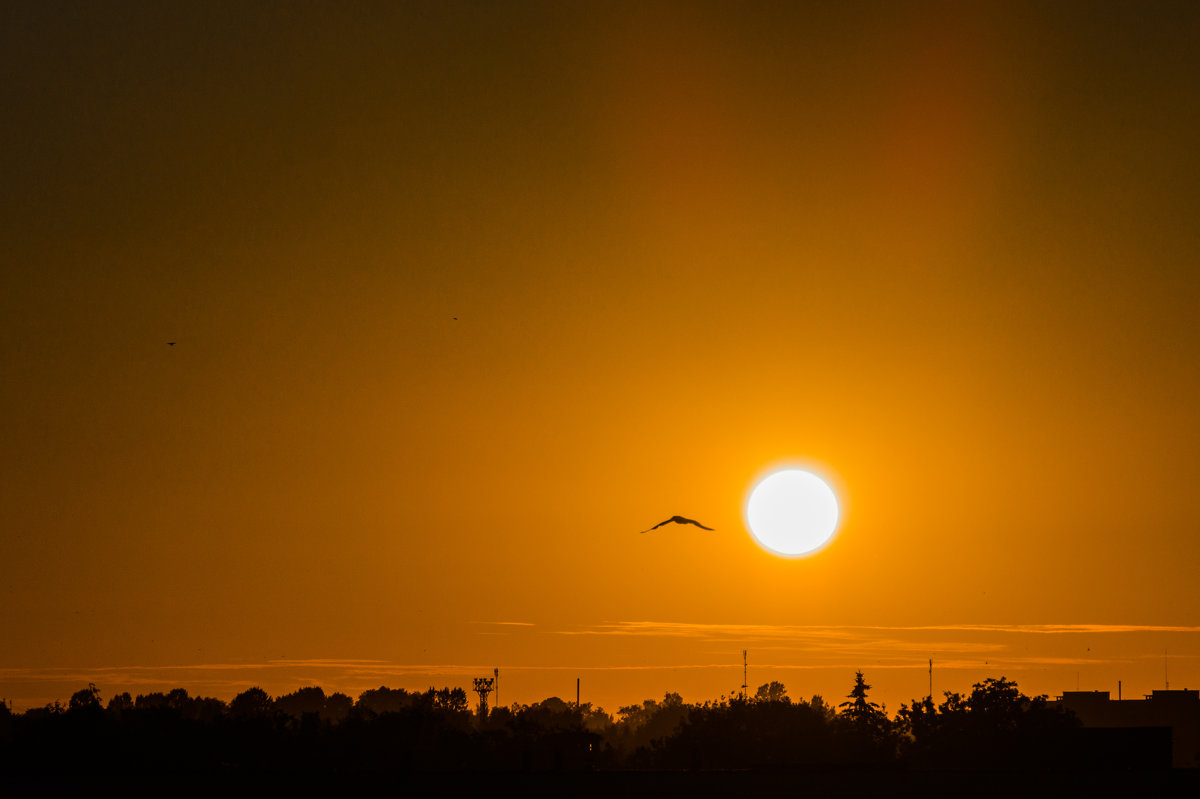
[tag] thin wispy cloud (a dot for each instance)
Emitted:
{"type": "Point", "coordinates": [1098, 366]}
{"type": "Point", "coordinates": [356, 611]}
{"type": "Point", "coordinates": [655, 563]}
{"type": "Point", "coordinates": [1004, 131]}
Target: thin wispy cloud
{"type": "Point", "coordinates": [817, 647]}
{"type": "Point", "coordinates": [1052, 629]}
{"type": "Point", "coordinates": [324, 661]}
{"type": "Point", "coordinates": [703, 631]}
{"type": "Point", "coordinates": [695, 630]}
{"type": "Point", "coordinates": [881, 646]}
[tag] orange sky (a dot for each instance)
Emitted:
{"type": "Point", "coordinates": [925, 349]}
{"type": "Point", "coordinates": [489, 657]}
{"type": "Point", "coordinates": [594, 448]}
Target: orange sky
{"type": "Point", "coordinates": [946, 254]}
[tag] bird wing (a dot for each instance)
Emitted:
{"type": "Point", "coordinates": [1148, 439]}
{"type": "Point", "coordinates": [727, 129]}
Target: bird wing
{"type": "Point", "coordinates": [678, 520]}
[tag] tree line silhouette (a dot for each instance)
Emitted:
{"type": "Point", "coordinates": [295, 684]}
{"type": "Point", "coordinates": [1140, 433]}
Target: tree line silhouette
{"type": "Point", "coordinates": [386, 729]}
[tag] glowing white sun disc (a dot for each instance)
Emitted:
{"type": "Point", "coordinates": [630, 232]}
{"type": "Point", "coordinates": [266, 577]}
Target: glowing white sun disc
{"type": "Point", "coordinates": [792, 512]}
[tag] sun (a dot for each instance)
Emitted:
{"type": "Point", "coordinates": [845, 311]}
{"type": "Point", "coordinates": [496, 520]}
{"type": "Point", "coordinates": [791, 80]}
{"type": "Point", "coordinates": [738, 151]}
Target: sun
{"type": "Point", "coordinates": [792, 512]}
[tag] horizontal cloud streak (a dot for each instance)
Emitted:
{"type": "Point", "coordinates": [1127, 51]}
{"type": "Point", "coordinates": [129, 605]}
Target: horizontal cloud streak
{"type": "Point", "coordinates": [694, 630]}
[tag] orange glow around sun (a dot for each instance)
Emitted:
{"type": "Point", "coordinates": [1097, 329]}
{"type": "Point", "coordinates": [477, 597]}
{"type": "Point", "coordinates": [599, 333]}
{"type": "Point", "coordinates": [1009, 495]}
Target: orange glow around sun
{"type": "Point", "coordinates": [792, 512]}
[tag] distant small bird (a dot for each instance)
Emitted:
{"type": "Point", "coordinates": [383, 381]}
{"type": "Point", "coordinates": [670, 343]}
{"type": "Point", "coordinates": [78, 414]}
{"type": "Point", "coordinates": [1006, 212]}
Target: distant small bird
{"type": "Point", "coordinates": [170, 343]}
{"type": "Point", "coordinates": [678, 520]}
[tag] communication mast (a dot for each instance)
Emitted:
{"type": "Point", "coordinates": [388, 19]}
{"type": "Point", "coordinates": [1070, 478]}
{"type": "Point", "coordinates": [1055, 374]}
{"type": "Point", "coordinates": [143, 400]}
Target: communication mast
{"type": "Point", "coordinates": [744, 680]}
{"type": "Point", "coordinates": [483, 687]}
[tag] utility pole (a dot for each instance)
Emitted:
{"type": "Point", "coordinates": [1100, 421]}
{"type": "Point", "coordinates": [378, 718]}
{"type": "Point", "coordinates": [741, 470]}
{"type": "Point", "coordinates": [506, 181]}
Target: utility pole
{"type": "Point", "coordinates": [576, 692]}
{"type": "Point", "coordinates": [745, 696]}
{"type": "Point", "coordinates": [931, 679]}
{"type": "Point", "coordinates": [496, 677]}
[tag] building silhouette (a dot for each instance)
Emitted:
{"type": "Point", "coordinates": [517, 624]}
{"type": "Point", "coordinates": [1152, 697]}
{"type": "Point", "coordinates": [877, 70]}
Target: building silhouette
{"type": "Point", "coordinates": [1174, 714]}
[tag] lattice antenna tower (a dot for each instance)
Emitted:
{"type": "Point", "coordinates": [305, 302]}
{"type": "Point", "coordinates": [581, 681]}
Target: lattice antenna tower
{"type": "Point", "coordinates": [483, 687]}
{"type": "Point", "coordinates": [744, 680]}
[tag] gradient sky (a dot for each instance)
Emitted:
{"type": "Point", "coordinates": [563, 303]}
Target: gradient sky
{"type": "Point", "coordinates": [464, 295]}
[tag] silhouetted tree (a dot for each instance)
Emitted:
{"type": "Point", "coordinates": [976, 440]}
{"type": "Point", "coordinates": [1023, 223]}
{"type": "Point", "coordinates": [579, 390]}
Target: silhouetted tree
{"type": "Point", "coordinates": [740, 734]}
{"type": "Point", "coordinates": [641, 725]}
{"type": "Point", "coordinates": [553, 734]}
{"type": "Point", "coordinates": [860, 711]}
{"type": "Point", "coordinates": [337, 707]}
{"type": "Point", "coordinates": [48, 710]}
{"type": "Point", "coordinates": [251, 703]}
{"type": "Point", "coordinates": [452, 699]}
{"type": "Point", "coordinates": [120, 703]}
{"type": "Point", "coordinates": [594, 718]}
{"type": "Point", "coordinates": [822, 707]}
{"type": "Point", "coordinates": [771, 692]}
{"type": "Point", "coordinates": [207, 709]}
{"type": "Point", "coordinates": [377, 701]}
{"type": "Point", "coordinates": [549, 714]}
{"type": "Point", "coordinates": [866, 732]}
{"type": "Point", "coordinates": [86, 700]}
{"type": "Point", "coordinates": [152, 701]}
{"type": "Point", "coordinates": [177, 699]}
{"type": "Point", "coordinates": [1001, 701]}
{"type": "Point", "coordinates": [302, 701]}
{"type": "Point", "coordinates": [995, 727]}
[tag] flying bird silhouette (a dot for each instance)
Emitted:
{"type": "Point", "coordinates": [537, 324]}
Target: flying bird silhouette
{"type": "Point", "coordinates": [678, 520]}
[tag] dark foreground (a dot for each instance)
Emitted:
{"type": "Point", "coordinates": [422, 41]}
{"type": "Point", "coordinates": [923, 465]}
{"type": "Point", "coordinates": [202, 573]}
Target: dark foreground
{"type": "Point", "coordinates": [625, 784]}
